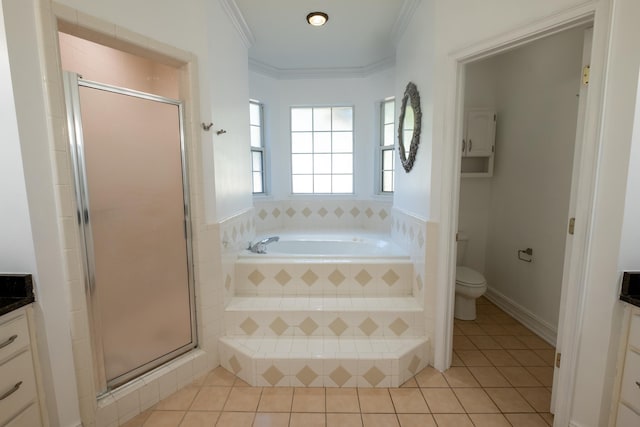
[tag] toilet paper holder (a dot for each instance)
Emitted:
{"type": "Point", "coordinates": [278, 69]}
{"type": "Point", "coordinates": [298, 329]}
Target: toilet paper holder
{"type": "Point", "coordinates": [528, 252]}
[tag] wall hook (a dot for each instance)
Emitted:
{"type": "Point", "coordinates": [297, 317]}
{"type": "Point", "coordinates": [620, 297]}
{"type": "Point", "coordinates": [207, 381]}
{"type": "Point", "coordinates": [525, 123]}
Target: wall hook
{"type": "Point", "coordinates": [528, 252]}
{"type": "Point", "coordinates": [207, 126]}
{"type": "Point", "coordinates": [220, 131]}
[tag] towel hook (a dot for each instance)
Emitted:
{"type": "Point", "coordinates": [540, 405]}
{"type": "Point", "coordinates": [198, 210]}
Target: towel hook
{"type": "Point", "coordinates": [528, 252]}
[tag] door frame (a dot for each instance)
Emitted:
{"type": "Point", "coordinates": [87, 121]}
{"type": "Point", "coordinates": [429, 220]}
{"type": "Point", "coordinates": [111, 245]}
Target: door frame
{"type": "Point", "coordinates": [571, 309]}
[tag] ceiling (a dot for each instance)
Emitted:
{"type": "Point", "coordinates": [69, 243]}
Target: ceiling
{"type": "Point", "coordinates": [359, 37]}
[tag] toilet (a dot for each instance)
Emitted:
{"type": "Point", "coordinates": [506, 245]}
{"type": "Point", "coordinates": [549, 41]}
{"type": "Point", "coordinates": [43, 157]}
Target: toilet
{"type": "Point", "coordinates": [470, 285]}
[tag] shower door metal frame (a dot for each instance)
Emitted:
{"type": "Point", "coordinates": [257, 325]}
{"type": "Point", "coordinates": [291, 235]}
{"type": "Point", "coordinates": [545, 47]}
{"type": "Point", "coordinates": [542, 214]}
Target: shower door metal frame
{"type": "Point", "coordinates": [72, 84]}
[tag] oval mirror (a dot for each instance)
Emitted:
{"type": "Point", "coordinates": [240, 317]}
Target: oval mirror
{"type": "Point", "coordinates": [409, 124]}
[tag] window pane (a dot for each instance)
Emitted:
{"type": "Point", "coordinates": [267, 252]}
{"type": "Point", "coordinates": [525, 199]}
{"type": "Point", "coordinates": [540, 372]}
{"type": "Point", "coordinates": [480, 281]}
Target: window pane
{"type": "Point", "coordinates": [342, 183]}
{"type": "Point", "coordinates": [322, 183]}
{"type": "Point", "coordinates": [301, 142]}
{"type": "Point", "coordinates": [256, 137]}
{"type": "Point", "coordinates": [389, 135]}
{"type": "Point", "coordinates": [301, 119]}
{"type": "Point", "coordinates": [321, 119]}
{"type": "Point", "coordinates": [254, 114]}
{"type": "Point", "coordinates": [302, 183]}
{"type": "Point", "coordinates": [342, 142]}
{"type": "Point", "coordinates": [387, 181]}
{"type": "Point", "coordinates": [389, 111]}
{"type": "Point", "coordinates": [387, 160]}
{"type": "Point", "coordinates": [256, 159]}
{"type": "Point", "coordinates": [342, 118]}
{"type": "Point", "coordinates": [257, 182]}
{"type": "Point", "coordinates": [322, 142]}
{"type": "Point", "coordinates": [321, 163]}
{"type": "Point", "coordinates": [342, 163]}
{"type": "Point", "coordinates": [301, 163]}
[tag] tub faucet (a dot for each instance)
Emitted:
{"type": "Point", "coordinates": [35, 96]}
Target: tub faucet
{"type": "Point", "coordinates": [261, 246]}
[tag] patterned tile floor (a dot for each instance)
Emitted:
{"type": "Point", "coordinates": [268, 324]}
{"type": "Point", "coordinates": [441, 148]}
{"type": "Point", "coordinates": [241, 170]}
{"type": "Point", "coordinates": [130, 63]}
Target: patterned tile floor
{"type": "Point", "coordinates": [501, 376]}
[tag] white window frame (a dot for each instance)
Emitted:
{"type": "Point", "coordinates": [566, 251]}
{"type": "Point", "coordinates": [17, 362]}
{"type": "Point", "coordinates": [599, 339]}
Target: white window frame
{"type": "Point", "coordinates": [260, 149]}
{"type": "Point", "coordinates": [382, 148]}
{"type": "Point", "coordinates": [291, 153]}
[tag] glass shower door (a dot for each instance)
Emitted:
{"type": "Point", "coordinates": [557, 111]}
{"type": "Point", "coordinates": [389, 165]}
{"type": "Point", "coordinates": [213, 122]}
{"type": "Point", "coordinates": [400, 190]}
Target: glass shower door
{"type": "Point", "coordinates": [133, 211]}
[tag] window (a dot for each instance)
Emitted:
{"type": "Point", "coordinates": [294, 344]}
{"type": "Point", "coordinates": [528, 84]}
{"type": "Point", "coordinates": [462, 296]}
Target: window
{"type": "Point", "coordinates": [257, 147]}
{"type": "Point", "coordinates": [322, 150]}
{"type": "Point", "coordinates": [387, 145]}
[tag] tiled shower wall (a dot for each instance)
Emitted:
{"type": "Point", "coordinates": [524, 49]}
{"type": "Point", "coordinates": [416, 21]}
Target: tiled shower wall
{"type": "Point", "coordinates": [374, 215]}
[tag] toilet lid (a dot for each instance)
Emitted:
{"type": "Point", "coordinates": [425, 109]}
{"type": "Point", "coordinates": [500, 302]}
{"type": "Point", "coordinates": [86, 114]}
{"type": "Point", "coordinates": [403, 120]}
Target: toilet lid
{"type": "Point", "coordinates": [469, 277]}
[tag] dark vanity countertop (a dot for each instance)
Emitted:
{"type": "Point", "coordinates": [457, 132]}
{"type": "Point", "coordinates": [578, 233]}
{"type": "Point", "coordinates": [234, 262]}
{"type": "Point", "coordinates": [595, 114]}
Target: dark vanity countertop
{"type": "Point", "coordinates": [16, 290]}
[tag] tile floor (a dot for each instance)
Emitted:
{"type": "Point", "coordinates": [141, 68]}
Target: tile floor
{"type": "Point", "coordinates": [501, 376]}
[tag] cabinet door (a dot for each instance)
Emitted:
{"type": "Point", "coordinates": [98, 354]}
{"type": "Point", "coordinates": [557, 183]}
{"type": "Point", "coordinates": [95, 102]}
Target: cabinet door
{"type": "Point", "coordinates": [481, 129]}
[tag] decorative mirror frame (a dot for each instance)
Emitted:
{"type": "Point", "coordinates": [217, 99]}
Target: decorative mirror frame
{"type": "Point", "coordinates": [410, 93]}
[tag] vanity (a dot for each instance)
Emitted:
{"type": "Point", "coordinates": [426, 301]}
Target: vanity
{"type": "Point", "coordinates": [20, 402]}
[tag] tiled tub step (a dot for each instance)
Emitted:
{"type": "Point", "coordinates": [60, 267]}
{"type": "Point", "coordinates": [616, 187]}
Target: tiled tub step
{"type": "Point", "coordinates": [323, 361]}
{"type": "Point", "coordinates": [343, 317]}
{"type": "Point", "coordinates": [364, 277]}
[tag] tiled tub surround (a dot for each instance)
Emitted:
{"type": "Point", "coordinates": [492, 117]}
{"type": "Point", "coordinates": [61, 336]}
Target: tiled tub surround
{"type": "Point", "coordinates": [235, 234]}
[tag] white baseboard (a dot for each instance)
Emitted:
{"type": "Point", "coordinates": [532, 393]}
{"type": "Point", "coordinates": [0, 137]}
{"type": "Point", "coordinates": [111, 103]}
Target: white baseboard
{"type": "Point", "coordinates": [546, 331]}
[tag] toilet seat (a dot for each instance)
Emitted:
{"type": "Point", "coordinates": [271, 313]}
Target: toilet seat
{"type": "Point", "coordinates": [466, 276]}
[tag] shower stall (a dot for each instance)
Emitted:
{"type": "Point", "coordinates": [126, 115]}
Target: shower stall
{"type": "Point", "coordinates": [131, 187]}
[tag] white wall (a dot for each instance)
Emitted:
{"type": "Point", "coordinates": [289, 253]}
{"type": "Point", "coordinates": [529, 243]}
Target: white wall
{"type": "Point", "coordinates": [364, 94]}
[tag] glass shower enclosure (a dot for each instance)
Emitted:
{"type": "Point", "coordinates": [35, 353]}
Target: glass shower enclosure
{"type": "Point", "coordinates": [131, 187]}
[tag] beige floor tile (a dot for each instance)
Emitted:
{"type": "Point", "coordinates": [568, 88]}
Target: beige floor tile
{"type": "Point", "coordinates": [508, 400]}
{"type": "Point", "coordinates": [380, 420]}
{"type": "Point", "coordinates": [510, 342]}
{"type": "Point", "coordinates": [210, 399]}
{"type": "Point", "coordinates": [241, 383]}
{"type": "Point", "coordinates": [306, 419]}
{"type": "Point", "coordinates": [460, 377]}
{"type": "Point", "coordinates": [471, 328]}
{"type": "Point", "coordinates": [538, 397]}
{"type": "Point", "coordinates": [235, 419]}
{"type": "Point", "coordinates": [535, 343]}
{"type": "Point", "coordinates": [473, 358]}
{"type": "Point", "coordinates": [243, 399]}
{"type": "Point", "coordinates": [342, 400]}
{"type": "Point", "coordinates": [518, 376]}
{"type": "Point", "coordinates": [456, 361]}
{"type": "Point", "coordinates": [517, 329]}
{"type": "Point", "coordinates": [416, 420]}
{"type": "Point", "coordinates": [408, 401]}
{"type": "Point", "coordinates": [453, 420]}
{"type": "Point", "coordinates": [410, 383]}
{"type": "Point", "coordinates": [276, 399]}
{"type": "Point", "coordinates": [271, 419]}
{"type": "Point", "coordinates": [442, 401]}
{"type": "Point", "coordinates": [308, 400]}
{"type": "Point", "coordinates": [200, 419]}
{"type": "Point", "coordinates": [461, 342]}
{"type": "Point", "coordinates": [219, 376]}
{"type": "Point", "coordinates": [179, 401]}
{"type": "Point", "coordinates": [485, 342]}
{"type": "Point", "coordinates": [138, 420]}
{"type": "Point", "coordinates": [504, 319]}
{"type": "Point", "coordinates": [527, 358]}
{"type": "Point", "coordinates": [488, 376]}
{"type": "Point", "coordinates": [549, 356]}
{"type": "Point", "coordinates": [548, 418]}
{"type": "Point", "coordinates": [457, 331]}
{"type": "Point", "coordinates": [164, 419]}
{"type": "Point", "coordinates": [526, 420]}
{"type": "Point", "coordinates": [375, 400]}
{"type": "Point", "coordinates": [475, 401]}
{"type": "Point", "coordinates": [544, 374]}
{"type": "Point", "coordinates": [489, 420]}
{"type": "Point", "coordinates": [431, 377]}
{"type": "Point", "coordinates": [500, 358]}
{"type": "Point", "coordinates": [493, 329]}
{"type": "Point", "coordinates": [344, 420]}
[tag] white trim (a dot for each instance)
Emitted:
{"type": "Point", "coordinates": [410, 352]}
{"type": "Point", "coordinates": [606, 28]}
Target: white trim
{"type": "Point", "coordinates": [541, 327]}
{"type": "Point", "coordinates": [238, 21]}
{"type": "Point", "coordinates": [404, 18]}
{"type": "Point", "coordinates": [320, 73]}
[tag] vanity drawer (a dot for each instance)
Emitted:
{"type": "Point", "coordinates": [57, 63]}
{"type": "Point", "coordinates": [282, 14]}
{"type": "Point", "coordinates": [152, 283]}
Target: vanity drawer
{"type": "Point", "coordinates": [14, 335]}
{"type": "Point", "coordinates": [30, 417]}
{"type": "Point", "coordinates": [17, 386]}
{"type": "Point", "coordinates": [630, 390]}
{"type": "Point", "coordinates": [634, 333]}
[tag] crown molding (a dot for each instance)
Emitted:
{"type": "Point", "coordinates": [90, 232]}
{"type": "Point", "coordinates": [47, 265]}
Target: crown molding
{"type": "Point", "coordinates": [404, 18]}
{"type": "Point", "coordinates": [238, 21]}
{"type": "Point", "coordinates": [320, 73]}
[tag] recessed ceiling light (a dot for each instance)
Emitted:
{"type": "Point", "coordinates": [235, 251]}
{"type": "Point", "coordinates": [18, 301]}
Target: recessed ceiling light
{"type": "Point", "coordinates": [317, 19]}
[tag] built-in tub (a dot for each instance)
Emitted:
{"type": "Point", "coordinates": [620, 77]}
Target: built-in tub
{"type": "Point", "coordinates": [333, 244]}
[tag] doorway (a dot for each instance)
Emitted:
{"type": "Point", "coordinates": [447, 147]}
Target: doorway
{"type": "Point", "coordinates": [515, 200]}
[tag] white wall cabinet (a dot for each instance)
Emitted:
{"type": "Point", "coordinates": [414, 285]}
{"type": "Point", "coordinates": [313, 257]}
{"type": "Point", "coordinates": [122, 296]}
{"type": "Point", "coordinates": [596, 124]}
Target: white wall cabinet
{"type": "Point", "coordinates": [478, 143]}
{"type": "Point", "coordinates": [19, 401]}
{"type": "Point", "coordinates": [628, 401]}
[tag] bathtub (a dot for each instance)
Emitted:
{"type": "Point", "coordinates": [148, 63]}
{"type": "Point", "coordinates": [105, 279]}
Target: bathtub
{"type": "Point", "coordinates": [332, 244]}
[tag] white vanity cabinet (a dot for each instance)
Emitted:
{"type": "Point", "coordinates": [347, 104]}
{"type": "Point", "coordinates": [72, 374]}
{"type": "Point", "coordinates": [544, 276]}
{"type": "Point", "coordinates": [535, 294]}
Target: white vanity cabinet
{"type": "Point", "coordinates": [19, 402]}
{"type": "Point", "coordinates": [478, 143]}
{"type": "Point", "coordinates": [628, 402]}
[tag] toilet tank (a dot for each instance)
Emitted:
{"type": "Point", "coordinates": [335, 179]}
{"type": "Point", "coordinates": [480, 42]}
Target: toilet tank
{"type": "Point", "coordinates": [461, 243]}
